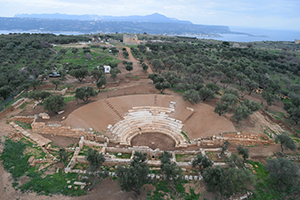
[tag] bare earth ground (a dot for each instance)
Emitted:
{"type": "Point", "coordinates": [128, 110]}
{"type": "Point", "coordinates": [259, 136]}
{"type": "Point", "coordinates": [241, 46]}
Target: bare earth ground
{"type": "Point", "coordinates": [154, 140]}
{"type": "Point", "coordinates": [61, 141]}
{"type": "Point", "coordinates": [98, 115]}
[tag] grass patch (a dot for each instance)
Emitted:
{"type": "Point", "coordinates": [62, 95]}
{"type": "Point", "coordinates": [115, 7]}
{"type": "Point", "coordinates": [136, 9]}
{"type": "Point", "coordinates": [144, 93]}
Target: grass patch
{"type": "Point", "coordinates": [24, 125]}
{"type": "Point", "coordinates": [186, 137]}
{"type": "Point", "coordinates": [24, 105]}
{"type": "Point", "coordinates": [13, 158]}
{"type": "Point", "coordinates": [84, 151]}
{"type": "Point", "coordinates": [69, 86]}
{"type": "Point", "coordinates": [286, 100]}
{"type": "Point", "coordinates": [295, 138]}
{"type": "Point", "coordinates": [183, 157]}
{"type": "Point", "coordinates": [81, 166]}
{"type": "Point", "coordinates": [179, 91]}
{"type": "Point", "coordinates": [97, 59]}
{"type": "Point", "coordinates": [163, 191]}
{"type": "Point", "coordinates": [124, 155]}
{"type": "Point", "coordinates": [52, 184]}
{"type": "Point", "coordinates": [68, 99]}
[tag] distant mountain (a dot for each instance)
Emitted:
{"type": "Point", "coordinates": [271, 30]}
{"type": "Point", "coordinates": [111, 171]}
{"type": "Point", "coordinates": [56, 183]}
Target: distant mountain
{"type": "Point", "coordinates": [105, 26]}
{"type": "Point", "coordinates": [156, 17]}
{"type": "Point", "coordinates": [151, 24]}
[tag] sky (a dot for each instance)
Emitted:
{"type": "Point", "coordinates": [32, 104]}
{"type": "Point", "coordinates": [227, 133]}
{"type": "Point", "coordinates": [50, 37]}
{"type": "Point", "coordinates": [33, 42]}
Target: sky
{"type": "Point", "coordinates": [268, 14]}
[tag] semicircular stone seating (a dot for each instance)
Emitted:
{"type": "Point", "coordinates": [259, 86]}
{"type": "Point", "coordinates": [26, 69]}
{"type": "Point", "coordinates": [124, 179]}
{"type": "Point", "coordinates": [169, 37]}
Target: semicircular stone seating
{"type": "Point", "coordinates": [146, 119]}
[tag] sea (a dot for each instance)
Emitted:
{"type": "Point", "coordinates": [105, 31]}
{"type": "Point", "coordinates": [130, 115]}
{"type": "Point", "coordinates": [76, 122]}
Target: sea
{"type": "Point", "coordinates": [257, 34]}
{"type": "Point", "coordinates": [240, 34]}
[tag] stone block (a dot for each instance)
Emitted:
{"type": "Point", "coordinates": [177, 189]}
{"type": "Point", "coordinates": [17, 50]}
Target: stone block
{"type": "Point", "coordinates": [69, 186]}
{"type": "Point", "coordinates": [80, 183]}
{"type": "Point", "coordinates": [82, 187]}
{"type": "Point", "coordinates": [152, 176]}
{"type": "Point", "coordinates": [75, 188]}
{"type": "Point", "coordinates": [68, 182]}
{"type": "Point", "coordinates": [60, 112]}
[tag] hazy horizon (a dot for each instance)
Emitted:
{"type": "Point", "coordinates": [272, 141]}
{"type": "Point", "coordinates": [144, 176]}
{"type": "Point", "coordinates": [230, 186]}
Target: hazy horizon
{"type": "Point", "coordinates": [268, 14]}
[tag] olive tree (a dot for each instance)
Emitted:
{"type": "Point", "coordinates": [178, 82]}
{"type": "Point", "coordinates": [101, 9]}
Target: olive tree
{"type": "Point", "coordinates": [202, 162]}
{"type": "Point", "coordinates": [84, 93]}
{"type": "Point", "coordinates": [54, 103]}
{"type": "Point", "coordinates": [282, 171]}
{"type": "Point", "coordinates": [192, 96]}
{"type": "Point", "coordinates": [133, 178]}
{"type": "Point", "coordinates": [286, 141]}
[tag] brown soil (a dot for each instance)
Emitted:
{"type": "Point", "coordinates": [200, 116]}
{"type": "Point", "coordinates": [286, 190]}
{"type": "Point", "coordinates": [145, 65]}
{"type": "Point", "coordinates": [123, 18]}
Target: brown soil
{"type": "Point", "coordinates": [61, 141]}
{"type": "Point", "coordinates": [109, 189]}
{"type": "Point", "coordinates": [154, 140]}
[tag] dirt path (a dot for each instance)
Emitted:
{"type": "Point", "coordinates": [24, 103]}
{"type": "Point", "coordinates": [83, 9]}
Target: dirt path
{"type": "Point", "coordinates": [130, 56]}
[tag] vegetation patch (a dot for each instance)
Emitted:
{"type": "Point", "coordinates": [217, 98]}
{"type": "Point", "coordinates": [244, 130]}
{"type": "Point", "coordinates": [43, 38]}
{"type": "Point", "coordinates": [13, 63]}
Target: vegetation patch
{"type": "Point", "coordinates": [68, 99]}
{"type": "Point", "coordinates": [13, 158]}
{"type": "Point", "coordinates": [123, 155]}
{"type": "Point", "coordinates": [52, 184]}
{"type": "Point", "coordinates": [183, 157]}
{"type": "Point", "coordinates": [186, 137]}
{"type": "Point", "coordinates": [24, 125]}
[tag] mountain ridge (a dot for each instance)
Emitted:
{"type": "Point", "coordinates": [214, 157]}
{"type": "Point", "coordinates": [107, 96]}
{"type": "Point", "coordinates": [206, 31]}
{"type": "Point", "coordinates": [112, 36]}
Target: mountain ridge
{"type": "Point", "coordinates": [155, 17]}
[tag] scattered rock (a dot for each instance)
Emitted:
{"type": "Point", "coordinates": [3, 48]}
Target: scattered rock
{"type": "Point", "coordinates": [60, 112]}
{"type": "Point", "coordinates": [44, 115]}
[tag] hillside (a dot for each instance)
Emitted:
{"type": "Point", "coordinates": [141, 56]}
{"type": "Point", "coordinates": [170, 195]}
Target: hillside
{"type": "Point", "coordinates": [151, 24]}
{"type": "Point", "coordinates": [155, 17]}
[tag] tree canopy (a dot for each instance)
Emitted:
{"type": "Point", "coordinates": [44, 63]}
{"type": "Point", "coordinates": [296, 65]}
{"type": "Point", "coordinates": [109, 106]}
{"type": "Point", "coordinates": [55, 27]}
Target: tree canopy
{"type": "Point", "coordinates": [202, 162]}
{"type": "Point", "coordinates": [286, 141]}
{"type": "Point", "coordinates": [84, 93]}
{"type": "Point", "coordinates": [54, 103]}
{"type": "Point", "coordinates": [282, 171]}
{"type": "Point", "coordinates": [135, 176]}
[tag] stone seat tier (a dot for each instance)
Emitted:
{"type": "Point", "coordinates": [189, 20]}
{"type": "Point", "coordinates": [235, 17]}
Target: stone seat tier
{"type": "Point", "coordinates": [130, 123]}
{"type": "Point", "coordinates": [143, 119]}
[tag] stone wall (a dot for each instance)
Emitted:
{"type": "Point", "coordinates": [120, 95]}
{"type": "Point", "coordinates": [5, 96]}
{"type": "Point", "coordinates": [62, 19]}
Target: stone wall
{"type": "Point", "coordinates": [234, 138]}
{"type": "Point", "coordinates": [24, 119]}
{"type": "Point", "coordinates": [130, 39]}
{"type": "Point", "coordinates": [58, 129]}
{"type": "Point", "coordinates": [62, 92]}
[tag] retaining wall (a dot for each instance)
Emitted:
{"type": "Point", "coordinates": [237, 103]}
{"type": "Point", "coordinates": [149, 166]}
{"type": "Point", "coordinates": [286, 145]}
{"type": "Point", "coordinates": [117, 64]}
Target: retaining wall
{"type": "Point", "coordinates": [58, 129]}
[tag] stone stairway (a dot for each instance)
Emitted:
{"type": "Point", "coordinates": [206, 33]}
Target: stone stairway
{"type": "Point", "coordinates": [113, 108]}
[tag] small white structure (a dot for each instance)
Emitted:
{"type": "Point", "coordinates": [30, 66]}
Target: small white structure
{"type": "Point", "coordinates": [106, 69]}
